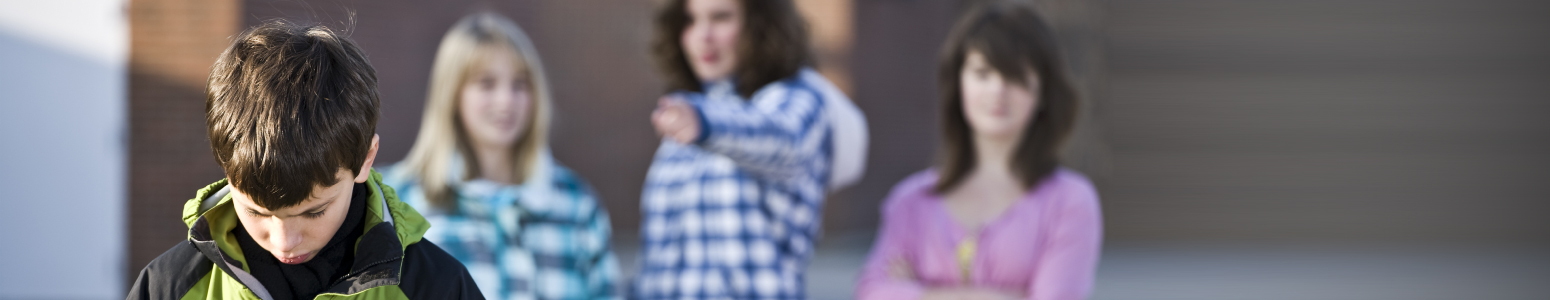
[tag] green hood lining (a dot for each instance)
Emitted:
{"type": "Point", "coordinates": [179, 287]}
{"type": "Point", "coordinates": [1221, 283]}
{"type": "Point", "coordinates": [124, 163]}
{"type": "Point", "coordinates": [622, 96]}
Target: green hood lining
{"type": "Point", "coordinates": [409, 225]}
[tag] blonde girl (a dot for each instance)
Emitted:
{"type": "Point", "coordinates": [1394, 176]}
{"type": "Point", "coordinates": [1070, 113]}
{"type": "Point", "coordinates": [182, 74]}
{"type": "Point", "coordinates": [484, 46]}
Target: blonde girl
{"type": "Point", "coordinates": [525, 226]}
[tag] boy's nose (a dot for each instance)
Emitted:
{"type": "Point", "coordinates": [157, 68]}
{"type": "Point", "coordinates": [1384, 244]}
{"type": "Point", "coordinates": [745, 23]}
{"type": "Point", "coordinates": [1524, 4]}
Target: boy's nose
{"type": "Point", "coordinates": [285, 238]}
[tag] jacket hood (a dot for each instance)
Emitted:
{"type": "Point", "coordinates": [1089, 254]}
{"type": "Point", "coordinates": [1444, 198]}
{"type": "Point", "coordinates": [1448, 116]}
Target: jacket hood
{"type": "Point", "coordinates": [211, 218]}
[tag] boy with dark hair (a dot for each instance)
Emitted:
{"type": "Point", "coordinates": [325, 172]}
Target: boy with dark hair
{"type": "Point", "coordinates": [291, 113]}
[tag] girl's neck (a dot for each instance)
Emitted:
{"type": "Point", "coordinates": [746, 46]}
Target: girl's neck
{"type": "Point", "coordinates": [495, 164]}
{"type": "Point", "coordinates": [993, 157]}
{"type": "Point", "coordinates": [992, 177]}
{"type": "Point", "coordinates": [988, 190]}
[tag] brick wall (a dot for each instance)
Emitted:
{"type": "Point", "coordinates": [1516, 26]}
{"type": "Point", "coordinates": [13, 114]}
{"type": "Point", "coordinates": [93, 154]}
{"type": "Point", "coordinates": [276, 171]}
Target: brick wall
{"type": "Point", "coordinates": [171, 46]}
{"type": "Point", "coordinates": [596, 53]}
{"type": "Point", "coordinates": [882, 52]}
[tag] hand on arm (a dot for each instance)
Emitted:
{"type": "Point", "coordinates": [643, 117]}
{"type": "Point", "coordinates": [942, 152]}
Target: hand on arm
{"type": "Point", "coordinates": [887, 274]}
{"type": "Point", "coordinates": [675, 119]}
{"type": "Point", "coordinates": [901, 271]}
{"type": "Point", "coordinates": [969, 293]}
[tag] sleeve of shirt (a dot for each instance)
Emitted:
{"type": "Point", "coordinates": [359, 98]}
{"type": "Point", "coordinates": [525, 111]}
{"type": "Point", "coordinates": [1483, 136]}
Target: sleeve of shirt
{"type": "Point", "coordinates": [602, 274]}
{"type": "Point", "coordinates": [890, 248]}
{"type": "Point", "coordinates": [1070, 258]}
{"type": "Point", "coordinates": [774, 135]}
{"type": "Point", "coordinates": [602, 279]}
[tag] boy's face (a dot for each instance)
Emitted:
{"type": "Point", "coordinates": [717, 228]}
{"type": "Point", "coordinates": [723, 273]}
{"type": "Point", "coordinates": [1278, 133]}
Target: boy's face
{"type": "Point", "coordinates": [295, 234]}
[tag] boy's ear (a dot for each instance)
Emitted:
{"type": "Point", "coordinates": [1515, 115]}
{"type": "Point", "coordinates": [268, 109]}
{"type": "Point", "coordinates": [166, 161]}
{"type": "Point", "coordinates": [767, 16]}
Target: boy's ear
{"type": "Point", "coordinates": [371, 157]}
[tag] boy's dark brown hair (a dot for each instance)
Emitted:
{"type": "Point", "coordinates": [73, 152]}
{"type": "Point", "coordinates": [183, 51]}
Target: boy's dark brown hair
{"type": "Point", "coordinates": [772, 45]}
{"type": "Point", "coordinates": [1019, 46]}
{"type": "Point", "coordinates": [286, 107]}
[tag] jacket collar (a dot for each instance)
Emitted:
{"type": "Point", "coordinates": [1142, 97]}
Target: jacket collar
{"type": "Point", "coordinates": [391, 226]}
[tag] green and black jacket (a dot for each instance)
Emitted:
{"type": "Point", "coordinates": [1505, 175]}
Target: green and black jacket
{"type": "Point", "coordinates": [391, 259]}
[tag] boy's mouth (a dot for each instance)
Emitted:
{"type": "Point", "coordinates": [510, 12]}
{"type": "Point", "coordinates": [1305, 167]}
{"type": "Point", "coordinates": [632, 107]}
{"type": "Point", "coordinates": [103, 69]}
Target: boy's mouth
{"type": "Point", "coordinates": [292, 260]}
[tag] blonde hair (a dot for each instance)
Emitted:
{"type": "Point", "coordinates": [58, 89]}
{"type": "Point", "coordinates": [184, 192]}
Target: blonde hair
{"type": "Point", "coordinates": [442, 137]}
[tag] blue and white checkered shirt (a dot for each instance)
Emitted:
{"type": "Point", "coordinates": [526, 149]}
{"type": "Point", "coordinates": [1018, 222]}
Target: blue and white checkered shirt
{"type": "Point", "coordinates": [546, 239]}
{"type": "Point", "coordinates": [735, 214]}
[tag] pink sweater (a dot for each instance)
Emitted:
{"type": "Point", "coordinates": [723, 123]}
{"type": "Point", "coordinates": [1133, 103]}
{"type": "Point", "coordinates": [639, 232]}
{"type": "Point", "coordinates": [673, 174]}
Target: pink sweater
{"type": "Point", "coordinates": [1044, 246]}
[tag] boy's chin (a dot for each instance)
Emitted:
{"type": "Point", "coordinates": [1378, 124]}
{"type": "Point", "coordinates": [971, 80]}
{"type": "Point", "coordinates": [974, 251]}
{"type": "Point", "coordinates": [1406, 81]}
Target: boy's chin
{"type": "Point", "coordinates": [294, 260]}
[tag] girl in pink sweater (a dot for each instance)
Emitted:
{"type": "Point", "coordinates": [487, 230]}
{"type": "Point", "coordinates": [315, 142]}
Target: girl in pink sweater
{"type": "Point", "coordinates": [997, 218]}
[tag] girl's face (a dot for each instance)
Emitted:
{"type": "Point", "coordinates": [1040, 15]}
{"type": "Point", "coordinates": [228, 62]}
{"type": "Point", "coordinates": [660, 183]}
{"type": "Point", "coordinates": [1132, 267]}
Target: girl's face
{"type": "Point", "coordinates": [710, 40]}
{"type": "Point", "coordinates": [495, 101]}
{"type": "Point", "coordinates": [995, 107]}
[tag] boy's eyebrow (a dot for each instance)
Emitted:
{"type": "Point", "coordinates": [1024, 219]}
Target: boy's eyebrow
{"type": "Point", "coordinates": [255, 211]}
{"type": "Point", "coordinates": [316, 208]}
{"type": "Point", "coordinates": [307, 211]}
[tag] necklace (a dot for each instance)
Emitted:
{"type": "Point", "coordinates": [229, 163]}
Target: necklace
{"type": "Point", "coordinates": [966, 250]}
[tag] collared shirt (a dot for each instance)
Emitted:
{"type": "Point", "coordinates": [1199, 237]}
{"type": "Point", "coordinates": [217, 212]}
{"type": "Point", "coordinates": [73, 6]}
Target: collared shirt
{"type": "Point", "coordinates": [734, 214]}
{"type": "Point", "coordinates": [526, 241]}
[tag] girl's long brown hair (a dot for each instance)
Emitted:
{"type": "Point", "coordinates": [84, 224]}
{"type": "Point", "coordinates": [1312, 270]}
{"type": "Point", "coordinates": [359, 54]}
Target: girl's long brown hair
{"type": "Point", "coordinates": [1015, 42]}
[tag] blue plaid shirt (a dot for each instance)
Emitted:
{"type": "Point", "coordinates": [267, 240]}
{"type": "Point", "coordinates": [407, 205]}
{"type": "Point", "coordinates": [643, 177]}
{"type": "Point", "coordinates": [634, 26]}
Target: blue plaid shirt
{"type": "Point", "coordinates": [524, 241]}
{"type": "Point", "coordinates": [735, 214]}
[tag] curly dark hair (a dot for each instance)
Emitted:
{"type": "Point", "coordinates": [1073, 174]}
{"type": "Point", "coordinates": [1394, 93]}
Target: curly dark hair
{"type": "Point", "coordinates": [772, 45]}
